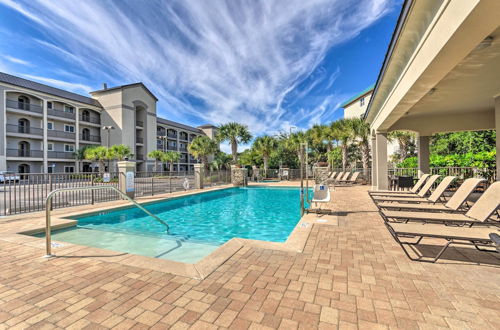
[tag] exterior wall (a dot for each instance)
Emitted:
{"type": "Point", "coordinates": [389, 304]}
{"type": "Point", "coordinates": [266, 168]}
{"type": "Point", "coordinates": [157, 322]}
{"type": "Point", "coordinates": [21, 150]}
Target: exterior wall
{"type": "Point", "coordinates": [355, 109]}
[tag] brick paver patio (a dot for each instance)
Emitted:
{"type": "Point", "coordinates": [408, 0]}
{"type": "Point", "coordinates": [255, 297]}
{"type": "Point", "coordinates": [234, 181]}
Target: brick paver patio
{"type": "Point", "coordinates": [349, 276]}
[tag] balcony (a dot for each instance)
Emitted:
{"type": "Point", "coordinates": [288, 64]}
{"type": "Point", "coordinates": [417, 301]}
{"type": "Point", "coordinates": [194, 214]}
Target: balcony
{"type": "Point", "coordinates": [169, 147]}
{"type": "Point", "coordinates": [24, 106]}
{"type": "Point", "coordinates": [61, 134]}
{"type": "Point", "coordinates": [90, 138]}
{"type": "Point", "coordinates": [139, 140]}
{"type": "Point", "coordinates": [172, 135]}
{"type": "Point", "coordinates": [60, 154]}
{"type": "Point", "coordinates": [139, 123]}
{"type": "Point", "coordinates": [139, 157]}
{"type": "Point", "coordinates": [183, 137]}
{"type": "Point", "coordinates": [24, 129]}
{"type": "Point", "coordinates": [183, 149]}
{"type": "Point", "coordinates": [61, 114]}
{"type": "Point", "coordinates": [24, 153]}
{"type": "Point", "coordinates": [90, 119]}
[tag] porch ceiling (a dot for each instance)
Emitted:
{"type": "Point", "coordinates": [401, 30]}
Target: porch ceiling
{"type": "Point", "coordinates": [463, 99]}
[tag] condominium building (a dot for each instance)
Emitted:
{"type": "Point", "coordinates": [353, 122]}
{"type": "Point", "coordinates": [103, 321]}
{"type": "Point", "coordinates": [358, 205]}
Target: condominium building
{"type": "Point", "coordinates": [41, 127]}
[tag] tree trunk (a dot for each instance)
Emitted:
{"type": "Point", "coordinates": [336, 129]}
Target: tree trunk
{"type": "Point", "coordinates": [365, 149]}
{"type": "Point", "coordinates": [234, 150]}
{"type": "Point", "coordinates": [266, 159]}
{"type": "Point", "coordinates": [344, 157]}
{"type": "Point", "coordinates": [156, 165]}
{"type": "Point", "coordinates": [171, 167]}
{"type": "Point", "coordinates": [101, 166]}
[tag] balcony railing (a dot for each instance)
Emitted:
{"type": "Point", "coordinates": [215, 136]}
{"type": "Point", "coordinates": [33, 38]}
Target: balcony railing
{"type": "Point", "coordinates": [183, 149]}
{"type": "Point", "coordinates": [61, 134]}
{"type": "Point", "coordinates": [183, 137]}
{"type": "Point", "coordinates": [139, 123]}
{"type": "Point", "coordinates": [171, 148]}
{"type": "Point", "coordinates": [24, 129]}
{"type": "Point", "coordinates": [139, 157]}
{"type": "Point", "coordinates": [24, 153]}
{"type": "Point", "coordinates": [60, 113]}
{"type": "Point", "coordinates": [90, 119]}
{"type": "Point", "coordinates": [91, 138]}
{"type": "Point", "coordinates": [60, 154]}
{"type": "Point", "coordinates": [139, 140]}
{"type": "Point", "coordinates": [24, 106]}
{"type": "Point", "coordinates": [172, 135]}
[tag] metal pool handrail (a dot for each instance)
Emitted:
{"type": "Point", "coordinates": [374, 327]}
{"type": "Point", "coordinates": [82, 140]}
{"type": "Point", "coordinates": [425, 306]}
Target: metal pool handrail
{"type": "Point", "coordinates": [48, 239]}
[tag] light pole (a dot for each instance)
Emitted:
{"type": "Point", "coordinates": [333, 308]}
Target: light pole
{"type": "Point", "coordinates": [108, 129]}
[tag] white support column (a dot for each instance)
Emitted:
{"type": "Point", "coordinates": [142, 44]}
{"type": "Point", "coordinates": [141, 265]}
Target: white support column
{"type": "Point", "coordinates": [423, 155]}
{"type": "Point", "coordinates": [497, 127]}
{"type": "Point", "coordinates": [381, 161]}
{"type": "Point", "coordinates": [45, 139]}
{"type": "Point", "coordinates": [374, 163]}
{"type": "Point", "coordinates": [77, 142]}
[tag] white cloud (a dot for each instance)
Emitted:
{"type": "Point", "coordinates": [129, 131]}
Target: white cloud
{"type": "Point", "coordinates": [215, 60]}
{"type": "Point", "coordinates": [16, 60]}
{"type": "Point", "coordinates": [77, 88]}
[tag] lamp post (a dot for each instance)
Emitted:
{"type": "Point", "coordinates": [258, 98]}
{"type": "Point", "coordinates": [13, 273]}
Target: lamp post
{"type": "Point", "coordinates": [108, 129]}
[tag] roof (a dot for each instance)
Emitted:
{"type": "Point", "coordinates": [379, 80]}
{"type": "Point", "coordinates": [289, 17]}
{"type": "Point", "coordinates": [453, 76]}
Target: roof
{"type": "Point", "coordinates": [125, 86]}
{"type": "Point", "coordinates": [178, 125]}
{"type": "Point", "coordinates": [358, 96]}
{"type": "Point", "coordinates": [395, 35]}
{"type": "Point", "coordinates": [207, 126]}
{"type": "Point", "coordinates": [33, 85]}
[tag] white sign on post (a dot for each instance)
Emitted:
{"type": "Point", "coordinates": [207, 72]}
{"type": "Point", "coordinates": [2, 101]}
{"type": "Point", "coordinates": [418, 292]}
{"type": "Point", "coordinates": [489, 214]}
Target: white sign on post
{"type": "Point", "coordinates": [106, 177]}
{"type": "Point", "coordinates": [129, 181]}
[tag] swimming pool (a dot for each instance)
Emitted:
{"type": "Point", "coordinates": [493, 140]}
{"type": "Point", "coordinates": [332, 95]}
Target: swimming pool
{"type": "Point", "coordinates": [199, 223]}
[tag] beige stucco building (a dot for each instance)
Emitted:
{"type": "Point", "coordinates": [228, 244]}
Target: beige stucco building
{"type": "Point", "coordinates": [356, 106]}
{"type": "Point", "coordinates": [441, 74]}
{"type": "Point", "coordinates": [41, 126]}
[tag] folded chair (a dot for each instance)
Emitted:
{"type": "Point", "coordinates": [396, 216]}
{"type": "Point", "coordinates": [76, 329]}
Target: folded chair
{"type": "Point", "coordinates": [478, 214]}
{"type": "Point", "coordinates": [422, 193]}
{"type": "Point", "coordinates": [335, 179]}
{"type": "Point", "coordinates": [479, 237]}
{"type": "Point", "coordinates": [436, 195]}
{"type": "Point", "coordinates": [456, 202]}
{"type": "Point", "coordinates": [413, 190]}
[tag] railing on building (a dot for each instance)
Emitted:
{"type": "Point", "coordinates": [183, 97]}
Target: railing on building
{"type": "Point", "coordinates": [61, 134]}
{"type": "Point", "coordinates": [60, 155]}
{"type": "Point", "coordinates": [24, 153]}
{"type": "Point", "coordinates": [24, 106]}
{"type": "Point", "coordinates": [172, 135]}
{"type": "Point", "coordinates": [139, 157]}
{"type": "Point", "coordinates": [24, 129]}
{"type": "Point", "coordinates": [139, 140]}
{"type": "Point", "coordinates": [139, 123]}
{"type": "Point", "coordinates": [91, 138]}
{"type": "Point", "coordinates": [90, 119]}
{"type": "Point", "coordinates": [61, 113]}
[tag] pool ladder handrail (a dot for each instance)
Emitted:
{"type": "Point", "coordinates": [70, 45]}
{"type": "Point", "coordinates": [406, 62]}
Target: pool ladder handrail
{"type": "Point", "coordinates": [48, 200]}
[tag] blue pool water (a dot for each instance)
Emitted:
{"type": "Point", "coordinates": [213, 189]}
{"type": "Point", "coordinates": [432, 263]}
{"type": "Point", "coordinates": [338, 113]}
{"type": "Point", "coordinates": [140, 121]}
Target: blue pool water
{"type": "Point", "coordinates": [198, 223]}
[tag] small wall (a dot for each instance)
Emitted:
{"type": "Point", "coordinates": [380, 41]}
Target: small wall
{"type": "Point", "coordinates": [320, 174]}
{"type": "Point", "coordinates": [239, 176]}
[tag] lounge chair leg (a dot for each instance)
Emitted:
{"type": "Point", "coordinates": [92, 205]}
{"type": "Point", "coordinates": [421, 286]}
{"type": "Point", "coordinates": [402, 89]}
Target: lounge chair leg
{"type": "Point", "coordinates": [441, 252]}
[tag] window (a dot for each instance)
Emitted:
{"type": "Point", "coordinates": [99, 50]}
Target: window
{"type": "Point", "coordinates": [50, 125]}
{"type": "Point", "coordinates": [49, 105]}
{"type": "Point", "coordinates": [69, 169]}
{"type": "Point", "coordinates": [362, 101]}
{"type": "Point", "coordinates": [69, 128]}
{"type": "Point", "coordinates": [69, 147]}
{"type": "Point", "coordinates": [69, 109]}
{"type": "Point", "coordinates": [50, 146]}
{"type": "Point", "coordinates": [50, 169]}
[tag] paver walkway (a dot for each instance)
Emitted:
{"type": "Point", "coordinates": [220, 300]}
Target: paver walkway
{"type": "Point", "coordinates": [349, 276]}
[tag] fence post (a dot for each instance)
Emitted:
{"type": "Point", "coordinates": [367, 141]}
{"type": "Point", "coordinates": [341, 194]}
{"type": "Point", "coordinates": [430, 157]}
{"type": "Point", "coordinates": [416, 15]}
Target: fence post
{"type": "Point", "coordinates": [50, 189]}
{"type": "Point", "coordinates": [239, 176]}
{"type": "Point", "coordinates": [127, 169]}
{"type": "Point", "coordinates": [152, 185]}
{"type": "Point", "coordinates": [92, 191]}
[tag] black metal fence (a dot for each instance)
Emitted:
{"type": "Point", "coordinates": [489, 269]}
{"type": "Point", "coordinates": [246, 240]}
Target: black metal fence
{"type": "Point", "coordinates": [216, 178]}
{"type": "Point", "coordinates": [153, 183]}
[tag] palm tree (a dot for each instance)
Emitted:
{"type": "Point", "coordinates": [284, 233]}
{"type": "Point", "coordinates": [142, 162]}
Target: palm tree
{"type": "Point", "coordinates": [120, 152]}
{"type": "Point", "coordinates": [343, 131]}
{"type": "Point", "coordinates": [234, 133]}
{"type": "Point", "coordinates": [171, 157]}
{"type": "Point", "coordinates": [405, 141]}
{"type": "Point", "coordinates": [157, 156]}
{"type": "Point", "coordinates": [361, 131]}
{"type": "Point", "coordinates": [221, 160]}
{"type": "Point", "coordinates": [80, 155]}
{"type": "Point", "coordinates": [201, 147]}
{"type": "Point", "coordinates": [265, 145]}
{"type": "Point", "coordinates": [97, 154]}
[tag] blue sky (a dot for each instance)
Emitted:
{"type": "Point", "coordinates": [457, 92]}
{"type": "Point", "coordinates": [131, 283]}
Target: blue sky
{"type": "Point", "coordinates": [268, 64]}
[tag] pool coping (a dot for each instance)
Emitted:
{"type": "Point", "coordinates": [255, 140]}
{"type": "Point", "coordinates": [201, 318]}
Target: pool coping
{"type": "Point", "coordinates": [295, 242]}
